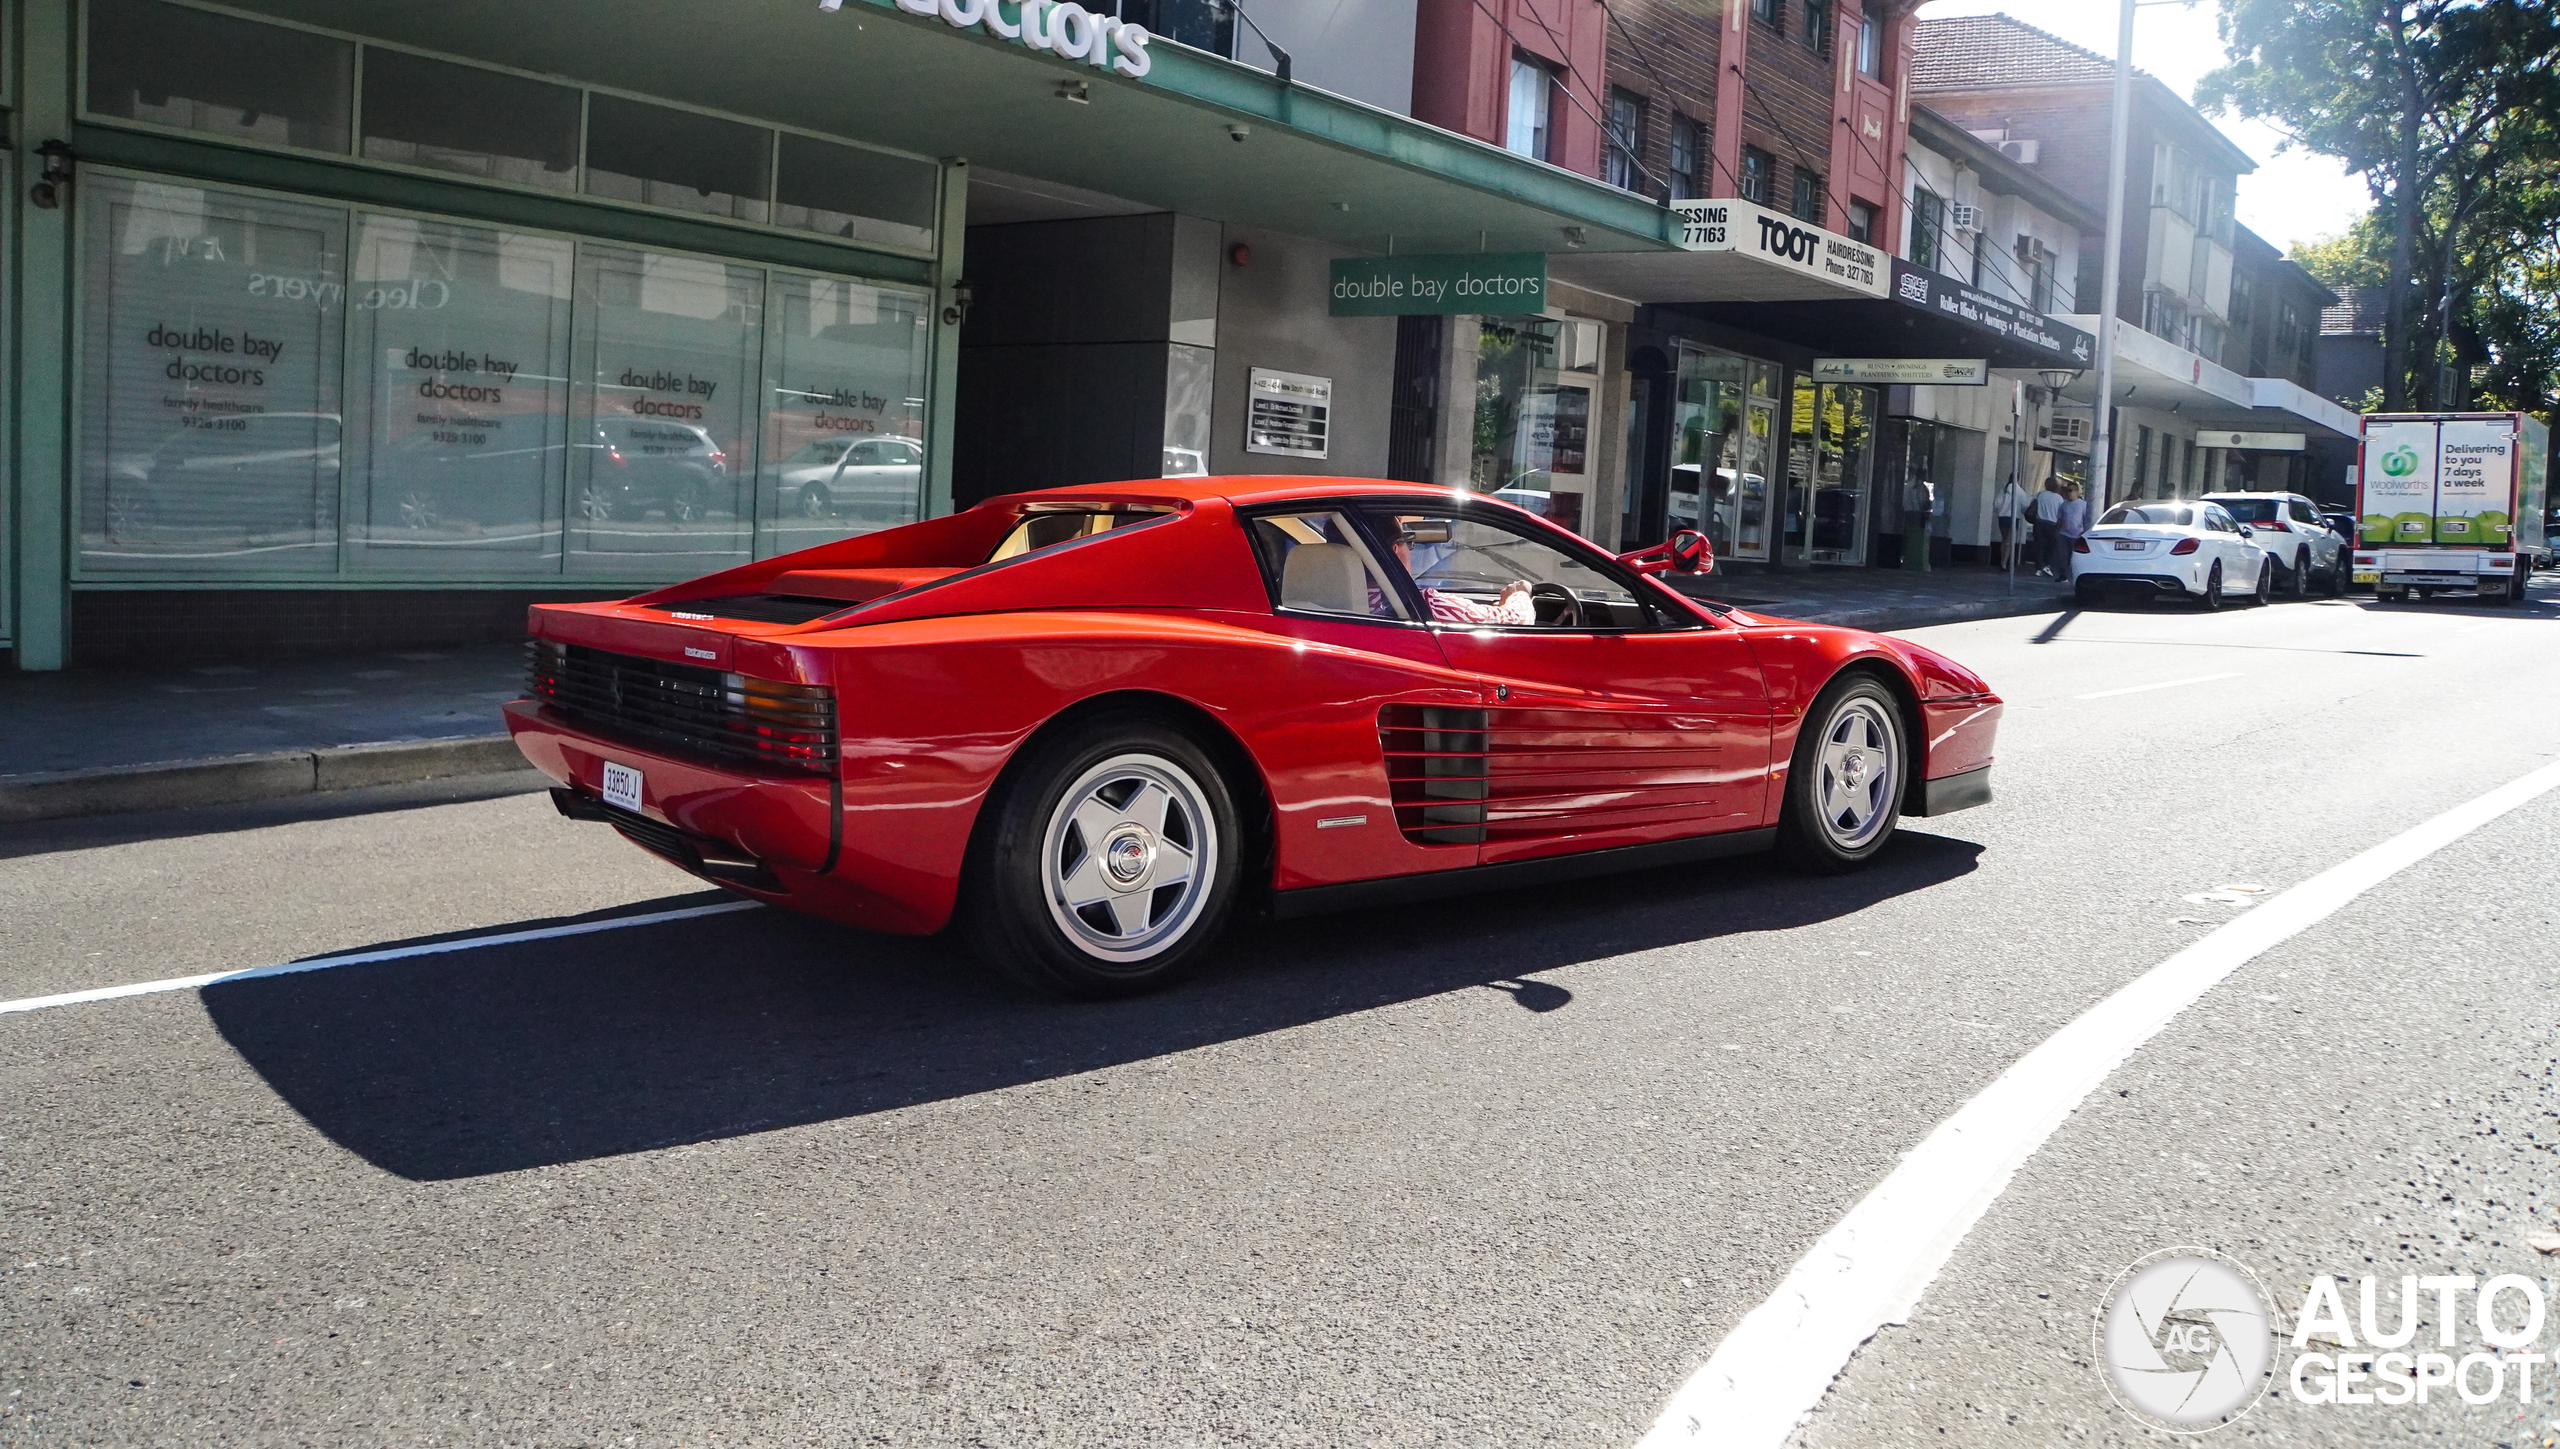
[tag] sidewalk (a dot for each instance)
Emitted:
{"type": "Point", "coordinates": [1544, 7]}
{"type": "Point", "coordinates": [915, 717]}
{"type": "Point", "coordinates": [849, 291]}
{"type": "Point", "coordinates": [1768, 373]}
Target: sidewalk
{"type": "Point", "coordinates": [102, 741]}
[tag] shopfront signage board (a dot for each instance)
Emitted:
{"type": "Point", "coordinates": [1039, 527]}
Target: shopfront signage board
{"type": "Point", "coordinates": [1288, 413]}
{"type": "Point", "coordinates": [1495, 283]}
{"type": "Point", "coordinates": [2262, 442]}
{"type": "Point", "coordinates": [1099, 39]}
{"type": "Point", "coordinates": [2059, 345]}
{"type": "Point", "coordinates": [1773, 237]}
{"type": "Point", "coordinates": [1932, 371]}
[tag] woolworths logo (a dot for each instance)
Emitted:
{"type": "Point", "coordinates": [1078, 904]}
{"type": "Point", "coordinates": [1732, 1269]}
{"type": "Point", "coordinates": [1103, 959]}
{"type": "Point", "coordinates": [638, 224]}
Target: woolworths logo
{"type": "Point", "coordinates": [2400, 462]}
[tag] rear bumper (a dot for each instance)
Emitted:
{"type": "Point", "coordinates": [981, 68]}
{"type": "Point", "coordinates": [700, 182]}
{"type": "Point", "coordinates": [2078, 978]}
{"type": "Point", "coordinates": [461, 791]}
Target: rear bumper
{"type": "Point", "coordinates": [2135, 583]}
{"type": "Point", "coordinates": [1950, 793]}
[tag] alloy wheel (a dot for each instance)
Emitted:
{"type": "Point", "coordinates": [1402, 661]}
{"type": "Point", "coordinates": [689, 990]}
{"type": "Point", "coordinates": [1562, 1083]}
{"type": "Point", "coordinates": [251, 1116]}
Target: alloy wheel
{"type": "Point", "coordinates": [1860, 764]}
{"type": "Point", "coordinates": [1130, 852]}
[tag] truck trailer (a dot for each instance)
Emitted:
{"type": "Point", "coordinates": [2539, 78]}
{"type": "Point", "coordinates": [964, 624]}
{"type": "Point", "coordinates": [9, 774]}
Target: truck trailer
{"type": "Point", "coordinates": [2451, 502]}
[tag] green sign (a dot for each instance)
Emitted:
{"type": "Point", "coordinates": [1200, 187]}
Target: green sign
{"type": "Point", "coordinates": [1495, 282]}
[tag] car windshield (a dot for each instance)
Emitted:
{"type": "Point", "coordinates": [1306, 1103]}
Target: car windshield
{"type": "Point", "coordinates": [2130, 513]}
{"type": "Point", "coordinates": [2250, 510]}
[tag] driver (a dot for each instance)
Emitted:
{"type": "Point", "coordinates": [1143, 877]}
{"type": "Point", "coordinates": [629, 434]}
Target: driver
{"type": "Point", "coordinates": [1512, 607]}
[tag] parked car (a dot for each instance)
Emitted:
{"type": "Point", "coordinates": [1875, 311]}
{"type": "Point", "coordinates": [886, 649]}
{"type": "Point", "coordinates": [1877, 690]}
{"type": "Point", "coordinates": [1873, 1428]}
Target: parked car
{"type": "Point", "coordinates": [867, 477]}
{"type": "Point", "coordinates": [2190, 548]}
{"type": "Point", "coordinates": [242, 474]}
{"type": "Point", "coordinates": [2307, 553]}
{"type": "Point", "coordinates": [635, 465]}
{"type": "Point", "coordinates": [1088, 726]}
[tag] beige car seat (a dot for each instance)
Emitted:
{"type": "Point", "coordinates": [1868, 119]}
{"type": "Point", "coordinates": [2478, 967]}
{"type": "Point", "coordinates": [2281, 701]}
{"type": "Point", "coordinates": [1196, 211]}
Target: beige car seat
{"type": "Point", "coordinates": [1327, 577]}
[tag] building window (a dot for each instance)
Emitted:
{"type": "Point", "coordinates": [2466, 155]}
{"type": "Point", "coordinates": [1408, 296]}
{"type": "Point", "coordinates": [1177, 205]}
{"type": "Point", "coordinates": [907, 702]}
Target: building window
{"type": "Point", "coordinates": [231, 78]}
{"type": "Point", "coordinates": [1862, 222]}
{"type": "Point", "coordinates": [2035, 266]}
{"type": "Point", "coordinates": [1759, 175]}
{"type": "Point", "coordinates": [1928, 227]}
{"type": "Point", "coordinates": [1200, 24]}
{"type": "Point", "coordinates": [1626, 139]}
{"type": "Point", "coordinates": [1532, 100]}
{"type": "Point", "coordinates": [660, 156]}
{"type": "Point", "coordinates": [1816, 30]}
{"type": "Point", "coordinates": [480, 123]}
{"type": "Point", "coordinates": [1805, 198]}
{"type": "Point", "coordinates": [1772, 13]}
{"type": "Point", "coordinates": [2164, 316]}
{"type": "Point", "coordinates": [1684, 158]}
{"type": "Point", "coordinates": [1870, 43]}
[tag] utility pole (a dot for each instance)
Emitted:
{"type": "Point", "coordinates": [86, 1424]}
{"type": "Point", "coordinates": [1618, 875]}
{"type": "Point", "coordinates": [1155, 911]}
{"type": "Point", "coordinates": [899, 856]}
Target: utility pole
{"type": "Point", "coordinates": [2102, 412]}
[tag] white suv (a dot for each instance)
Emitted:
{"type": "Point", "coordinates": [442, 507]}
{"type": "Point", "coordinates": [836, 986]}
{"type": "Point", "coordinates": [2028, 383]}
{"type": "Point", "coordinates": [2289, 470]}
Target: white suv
{"type": "Point", "coordinates": [2308, 553]}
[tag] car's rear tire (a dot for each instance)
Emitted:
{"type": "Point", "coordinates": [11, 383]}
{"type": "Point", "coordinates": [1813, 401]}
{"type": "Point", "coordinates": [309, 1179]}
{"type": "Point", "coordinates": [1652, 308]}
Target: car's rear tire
{"type": "Point", "coordinates": [2213, 587]}
{"type": "Point", "coordinates": [1845, 784]}
{"type": "Point", "coordinates": [1108, 865]}
{"type": "Point", "coordinates": [2298, 581]}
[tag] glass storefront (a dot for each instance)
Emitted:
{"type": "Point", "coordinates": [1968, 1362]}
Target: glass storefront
{"type": "Point", "coordinates": [273, 387]}
{"type": "Point", "coordinates": [1830, 457]}
{"type": "Point", "coordinates": [1535, 377]}
{"type": "Point", "coordinates": [1724, 418]}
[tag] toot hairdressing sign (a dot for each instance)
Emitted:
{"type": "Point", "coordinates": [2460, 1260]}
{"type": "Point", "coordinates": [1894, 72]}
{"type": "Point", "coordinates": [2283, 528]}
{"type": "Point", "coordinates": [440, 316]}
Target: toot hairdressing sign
{"type": "Point", "coordinates": [1069, 30]}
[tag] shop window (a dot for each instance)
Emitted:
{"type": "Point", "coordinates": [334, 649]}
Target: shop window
{"type": "Point", "coordinates": [1862, 222]}
{"type": "Point", "coordinates": [1686, 147]}
{"type": "Point", "coordinates": [844, 411]}
{"type": "Point", "coordinates": [1816, 30]}
{"type": "Point", "coordinates": [660, 156]}
{"type": "Point", "coordinates": [209, 404]}
{"type": "Point", "coordinates": [1759, 175]}
{"type": "Point", "coordinates": [226, 77]}
{"type": "Point", "coordinates": [857, 194]}
{"type": "Point", "coordinates": [659, 437]}
{"type": "Point", "coordinates": [1532, 99]}
{"type": "Point", "coordinates": [1626, 139]}
{"type": "Point", "coordinates": [1928, 227]}
{"type": "Point", "coordinates": [1532, 427]}
{"type": "Point", "coordinates": [1804, 197]}
{"type": "Point", "coordinates": [461, 335]}
{"type": "Point", "coordinates": [479, 123]}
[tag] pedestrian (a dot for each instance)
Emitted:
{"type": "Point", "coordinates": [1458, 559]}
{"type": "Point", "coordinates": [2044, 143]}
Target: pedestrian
{"type": "Point", "coordinates": [2011, 507]}
{"type": "Point", "coordinates": [2045, 515]}
{"type": "Point", "coordinates": [2074, 524]}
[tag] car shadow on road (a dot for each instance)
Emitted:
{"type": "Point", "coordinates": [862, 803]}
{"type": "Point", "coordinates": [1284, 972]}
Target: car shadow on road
{"type": "Point", "coordinates": [535, 1054]}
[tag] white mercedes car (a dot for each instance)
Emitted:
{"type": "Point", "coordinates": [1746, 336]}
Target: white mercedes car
{"type": "Point", "coordinates": [2180, 546]}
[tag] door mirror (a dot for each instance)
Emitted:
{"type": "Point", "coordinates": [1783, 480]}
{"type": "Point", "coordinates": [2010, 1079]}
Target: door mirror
{"type": "Point", "coordinates": [2247, 532]}
{"type": "Point", "coordinates": [1685, 552]}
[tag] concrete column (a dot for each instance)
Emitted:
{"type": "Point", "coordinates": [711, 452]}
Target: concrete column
{"type": "Point", "coordinates": [1456, 448]}
{"type": "Point", "coordinates": [40, 364]}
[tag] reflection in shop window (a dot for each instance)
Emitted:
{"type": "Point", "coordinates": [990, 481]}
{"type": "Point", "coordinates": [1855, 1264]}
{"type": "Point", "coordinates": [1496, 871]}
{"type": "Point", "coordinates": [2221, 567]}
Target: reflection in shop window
{"type": "Point", "coordinates": [844, 418]}
{"type": "Point", "coordinates": [472, 122]}
{"type": "Point", "coordinates": [226, 77]}
{"type": "Point", "coordinates": [659, 156]}
{"type": "Point", "coordinates": [659, 438]}
{"type": "Point", "coordinates": [1532, 438]}
{"type": "Point", "coordinates": [209, 401]}
{"type": "Point", "coordinates": [461, 338]}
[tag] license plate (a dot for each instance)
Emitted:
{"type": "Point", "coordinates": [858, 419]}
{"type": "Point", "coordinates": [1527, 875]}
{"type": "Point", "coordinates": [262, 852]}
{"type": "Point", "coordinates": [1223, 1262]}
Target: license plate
{"type": "Point", "coordinates": [2367, 576]}
{"type": "Point", "coordinates": [622, 787]}
{"type": "Point", "coordinates": [2126, 545]}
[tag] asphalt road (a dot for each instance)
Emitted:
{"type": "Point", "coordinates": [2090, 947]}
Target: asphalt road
{"type": "Point", "coordinates": [1490, 1172]}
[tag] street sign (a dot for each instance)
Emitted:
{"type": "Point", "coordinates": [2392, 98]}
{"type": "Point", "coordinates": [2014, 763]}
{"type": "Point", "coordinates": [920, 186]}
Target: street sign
{"type": "Point", "coordinates": [2263, 442]}
{"type": "Point", "coordinates": [1937, 371]}
{"type": "Point", "coordinates": [1495, 282]}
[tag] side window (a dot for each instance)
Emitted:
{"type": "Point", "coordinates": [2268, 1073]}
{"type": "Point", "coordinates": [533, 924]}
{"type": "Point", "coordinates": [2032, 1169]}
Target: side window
{"type": "Point", "coordinates": [1474, 573]}
{"type": "Point", "coordinates": [1318, 563]}
{"type": "Point", "coordinates": [2303, 512]}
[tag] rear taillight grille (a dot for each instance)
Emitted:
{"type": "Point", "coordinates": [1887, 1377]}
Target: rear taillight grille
{"type": "Point", "coordinates": [1436, 772]}
{"type": "Point", "coordinates": [729, 718]}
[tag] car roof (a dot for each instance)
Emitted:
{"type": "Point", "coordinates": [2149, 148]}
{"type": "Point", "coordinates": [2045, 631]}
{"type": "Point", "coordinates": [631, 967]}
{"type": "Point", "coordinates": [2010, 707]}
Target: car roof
{"type": "Point", "coordinates": [1248, 490]}
{"type": "Point", "coordinates": [2219, 497]}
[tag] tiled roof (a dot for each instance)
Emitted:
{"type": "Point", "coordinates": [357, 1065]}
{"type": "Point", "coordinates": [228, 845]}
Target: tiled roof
{"type": "Point", "coordinates": [1989, 52]}
{"type": "Point", "coordinates": [2358, 314]}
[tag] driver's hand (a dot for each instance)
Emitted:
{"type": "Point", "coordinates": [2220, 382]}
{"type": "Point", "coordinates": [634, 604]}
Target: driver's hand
{"type": "Point", "coordinates": [1517, 588]}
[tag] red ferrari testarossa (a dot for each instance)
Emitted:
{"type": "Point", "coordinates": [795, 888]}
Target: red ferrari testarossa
{"type": "Point", "coordinates": [1086, 725]}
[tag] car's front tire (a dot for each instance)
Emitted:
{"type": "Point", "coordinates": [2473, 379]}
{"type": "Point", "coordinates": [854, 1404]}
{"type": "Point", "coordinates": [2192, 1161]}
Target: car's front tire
{"type": "Point", "coordinates": [1108, 865]}
{"type": "Point", "coordinates": [2213, 587]}
{"type": "Point", "coordinates": [1845, 784]}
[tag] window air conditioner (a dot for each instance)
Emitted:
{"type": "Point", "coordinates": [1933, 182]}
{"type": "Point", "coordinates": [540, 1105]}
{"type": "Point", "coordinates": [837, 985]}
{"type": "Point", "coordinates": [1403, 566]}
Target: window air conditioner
{"type": "Point", "coordinates": [1964, 216]}
{"type": "Point", "coordinates": [2022, 152]}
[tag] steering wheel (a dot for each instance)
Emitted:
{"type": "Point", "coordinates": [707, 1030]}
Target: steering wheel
{"type": "Point", "coordinates": [1556, 606]}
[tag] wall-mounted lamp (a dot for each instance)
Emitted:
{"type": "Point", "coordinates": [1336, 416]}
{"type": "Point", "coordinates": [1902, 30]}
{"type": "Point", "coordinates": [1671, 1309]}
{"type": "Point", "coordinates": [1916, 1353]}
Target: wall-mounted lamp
{"type": "Point", "coordinates": [1574, 236]}
{"type": "Point", "coordinates": [1076, 91]}
{"type": "Point", "coordinates": [957, 314]}
{"type": "Point", "coordinates": [56, 177]}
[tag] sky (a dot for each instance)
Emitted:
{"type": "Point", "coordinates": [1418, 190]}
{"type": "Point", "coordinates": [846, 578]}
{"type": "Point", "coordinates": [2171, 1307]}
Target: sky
{"type": "Point", "coordinates": [2293, 196]}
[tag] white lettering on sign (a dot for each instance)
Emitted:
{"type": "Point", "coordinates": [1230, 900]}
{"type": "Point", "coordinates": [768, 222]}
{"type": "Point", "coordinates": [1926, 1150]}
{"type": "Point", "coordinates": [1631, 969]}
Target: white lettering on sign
{"type": "Point", "coordinates": [1069, 29]}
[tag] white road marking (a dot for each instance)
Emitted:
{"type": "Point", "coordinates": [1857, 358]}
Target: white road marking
{"type": "Point", "coordinates": [1869, 1270]}
{"type": "Point", "coordinates": [360, 958]}
{"type": "Point", "coordinates": [2163, 684]}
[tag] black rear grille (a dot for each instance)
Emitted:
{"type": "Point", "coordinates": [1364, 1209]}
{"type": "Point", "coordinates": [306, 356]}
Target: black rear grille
{"type": "Point", "coordinates": [726, 718]}
{"type": "Point", "coordinates": [1436, 772]}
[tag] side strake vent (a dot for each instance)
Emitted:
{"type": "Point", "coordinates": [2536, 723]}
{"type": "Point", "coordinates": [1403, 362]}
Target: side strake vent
{"type": "Point", "coordinates": [727, 718]}
{"type": "Point", "coordinates": [1435, 772]}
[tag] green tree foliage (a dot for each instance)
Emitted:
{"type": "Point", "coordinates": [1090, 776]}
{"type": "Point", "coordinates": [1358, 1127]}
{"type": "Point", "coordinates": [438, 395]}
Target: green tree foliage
{"type": "Point", "coordinates": [2447, 107]}
{"type": "Point", "coordinates": [2360, 256]}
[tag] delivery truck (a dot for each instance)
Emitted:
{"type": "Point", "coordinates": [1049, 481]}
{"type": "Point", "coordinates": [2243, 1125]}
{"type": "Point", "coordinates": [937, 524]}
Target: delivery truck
{"type": "Point", "coordinates": [2451, 502]}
